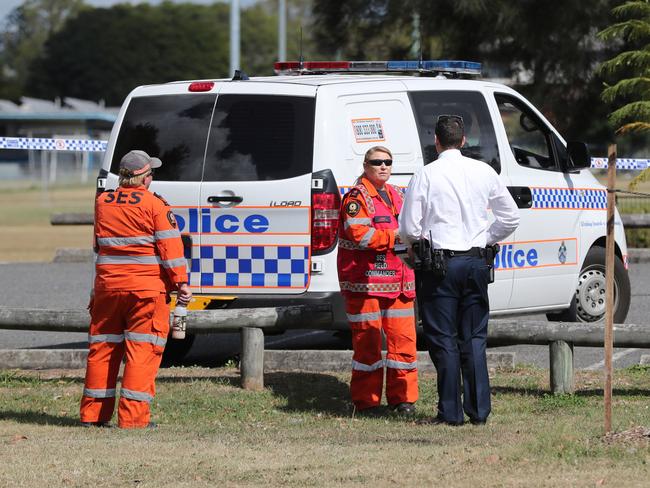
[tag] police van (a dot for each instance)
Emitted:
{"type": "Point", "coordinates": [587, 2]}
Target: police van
{"type": "Point", "coordinates": [255, 170]}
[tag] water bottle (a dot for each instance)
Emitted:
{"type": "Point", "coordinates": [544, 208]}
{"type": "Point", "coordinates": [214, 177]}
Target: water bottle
{"type": "Point", "coordinates": [179, 321]}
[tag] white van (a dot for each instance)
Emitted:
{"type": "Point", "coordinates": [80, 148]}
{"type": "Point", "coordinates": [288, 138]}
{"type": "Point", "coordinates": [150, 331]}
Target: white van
{"type": "Point", "coordinates": [255, 169]}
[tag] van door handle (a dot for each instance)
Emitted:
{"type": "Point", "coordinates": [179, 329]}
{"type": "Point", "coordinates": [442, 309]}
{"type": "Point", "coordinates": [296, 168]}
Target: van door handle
{"type": "Point", "coordinates": [225, 198]}
{"type": "Point", "coordinates": [522, 196]}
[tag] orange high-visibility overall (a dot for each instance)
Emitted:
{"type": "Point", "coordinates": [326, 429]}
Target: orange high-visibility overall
{"type": "Point", "coordinates": [140, 260]}
{"type": "Point", "coordinates": [379, 291]}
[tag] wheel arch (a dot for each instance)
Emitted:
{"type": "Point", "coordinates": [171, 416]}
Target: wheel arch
{"type": "Point", "coordinates": [601, 242]}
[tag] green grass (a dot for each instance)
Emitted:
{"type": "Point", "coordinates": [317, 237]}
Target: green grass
{"type": "Point", "coordinates": [299, 431]}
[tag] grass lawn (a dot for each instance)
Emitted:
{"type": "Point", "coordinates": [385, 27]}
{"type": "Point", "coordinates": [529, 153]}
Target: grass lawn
{"type": "Point", "coordinates": [25, 221]}
{"type": "Point", "coordinates": [299, 431]}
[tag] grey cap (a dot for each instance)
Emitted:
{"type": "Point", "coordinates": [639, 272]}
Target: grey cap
{"type": "Point", "coordinates": [139, 162]}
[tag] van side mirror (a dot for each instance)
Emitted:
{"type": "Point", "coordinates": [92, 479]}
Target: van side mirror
{"type": "Point", "coordinates": [578, 155]}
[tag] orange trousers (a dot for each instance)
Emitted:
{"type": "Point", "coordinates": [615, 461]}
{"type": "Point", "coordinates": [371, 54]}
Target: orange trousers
{"type": "Point", "coordinates": [131, 324]}
{"type": "Point", "coordinates": [368, 317]}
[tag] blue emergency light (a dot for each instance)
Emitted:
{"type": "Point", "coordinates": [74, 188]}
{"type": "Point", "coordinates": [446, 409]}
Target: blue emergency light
{"type": "Point", "coordinates": [452, 67]}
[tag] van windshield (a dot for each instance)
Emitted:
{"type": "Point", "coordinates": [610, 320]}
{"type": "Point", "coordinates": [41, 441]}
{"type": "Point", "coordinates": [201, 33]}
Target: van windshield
{"type": "Point", "coordinates": [173, 128]}
{"type": "Point", "coordinates": [260, 137]}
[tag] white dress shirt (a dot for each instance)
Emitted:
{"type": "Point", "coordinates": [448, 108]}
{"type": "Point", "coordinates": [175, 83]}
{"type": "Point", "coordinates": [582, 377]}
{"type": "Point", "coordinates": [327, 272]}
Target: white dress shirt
{"type": "Point", "coordinates": [447, 202]}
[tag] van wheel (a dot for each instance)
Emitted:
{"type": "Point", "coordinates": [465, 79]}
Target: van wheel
{"type": "Point", "coordinates": [588, 304]}
{"type": "Point", "coordinates": [176, 350]}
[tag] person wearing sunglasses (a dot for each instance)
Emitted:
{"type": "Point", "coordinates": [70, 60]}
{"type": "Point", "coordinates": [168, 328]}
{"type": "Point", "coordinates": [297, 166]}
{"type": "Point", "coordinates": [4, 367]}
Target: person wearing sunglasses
{"type": "Point", "coordinates": [447, 204]}
{"type": "Point", "coordinates": [378, 289]}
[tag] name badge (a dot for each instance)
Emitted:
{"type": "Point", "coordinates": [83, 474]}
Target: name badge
{"type": "Point", "coordinates": [382, 219]}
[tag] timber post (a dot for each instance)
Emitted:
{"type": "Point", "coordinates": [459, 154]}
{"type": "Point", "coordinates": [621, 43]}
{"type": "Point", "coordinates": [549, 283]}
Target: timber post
{"type": "Point", "coordinates": [252, 359]}
{"type": "Point", "coordinates": [561, 362]}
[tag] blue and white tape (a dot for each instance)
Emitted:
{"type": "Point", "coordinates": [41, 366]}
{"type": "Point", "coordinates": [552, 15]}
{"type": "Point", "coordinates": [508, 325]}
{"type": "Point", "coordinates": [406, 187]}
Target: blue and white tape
{"type": "Point", "coordinates": [44, 144]}
{"type": "Point", "coordinates": [88, 145]}
{"type": "Point", "coordinates": [622, 163]}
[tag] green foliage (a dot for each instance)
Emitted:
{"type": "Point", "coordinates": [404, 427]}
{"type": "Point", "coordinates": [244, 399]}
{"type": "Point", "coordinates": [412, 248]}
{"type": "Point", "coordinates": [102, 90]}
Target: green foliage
{"type": "Point", "coordinates": [551, 403]}
{"type": "Point", "coordinates": [25, 31]}
{"type": "Point", "coordinates": [630, 94]}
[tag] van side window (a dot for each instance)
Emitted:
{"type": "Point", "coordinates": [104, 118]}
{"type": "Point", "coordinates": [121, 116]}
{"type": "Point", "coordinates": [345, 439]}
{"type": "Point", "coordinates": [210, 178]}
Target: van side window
{"type": "Point", "coordinates": [260, 137]}
{"type": "Point", "coordinates": [528, 136]}
{"type": "Point", "coordinates": [173, 128]}
{"type": "Point", "coordinates": [481, 141]}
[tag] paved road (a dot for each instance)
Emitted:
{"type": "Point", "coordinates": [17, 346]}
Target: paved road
{"type": "Point", "coordinates": [66, 285]}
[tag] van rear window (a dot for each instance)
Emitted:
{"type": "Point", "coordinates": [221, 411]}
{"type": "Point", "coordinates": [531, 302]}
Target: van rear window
{"type": "Point", "coordinates": [173, 128]}
{"type": "Point", "coordinates": [260, 137]}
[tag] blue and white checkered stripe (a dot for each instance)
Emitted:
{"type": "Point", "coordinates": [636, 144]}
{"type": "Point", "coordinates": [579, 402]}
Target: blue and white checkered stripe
{"type": "Point", "coordinates": [43, 144]}
{"type": "Point", "coordinates": [250, 266]}
{"type": "Point", "coordinates": [562, 198]}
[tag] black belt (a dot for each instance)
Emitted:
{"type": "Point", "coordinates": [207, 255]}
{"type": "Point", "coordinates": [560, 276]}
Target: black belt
{"type": "Point", "coordinates": [474, 252]}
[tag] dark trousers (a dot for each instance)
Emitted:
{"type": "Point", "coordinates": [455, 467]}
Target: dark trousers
{"type": "Point", "coordinates": [455, 318]}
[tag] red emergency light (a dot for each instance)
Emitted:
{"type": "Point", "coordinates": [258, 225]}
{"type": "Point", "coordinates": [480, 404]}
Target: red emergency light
{"type": "Point", "coordinates": [201, 86]}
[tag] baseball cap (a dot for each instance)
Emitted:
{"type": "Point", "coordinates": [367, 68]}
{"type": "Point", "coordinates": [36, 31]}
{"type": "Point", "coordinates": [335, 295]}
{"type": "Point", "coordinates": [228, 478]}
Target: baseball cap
{"type": "Point", "coordinates": [138, 162]}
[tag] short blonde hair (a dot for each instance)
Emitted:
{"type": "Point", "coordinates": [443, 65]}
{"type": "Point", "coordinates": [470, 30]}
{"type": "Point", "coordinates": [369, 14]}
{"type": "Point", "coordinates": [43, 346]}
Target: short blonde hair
{"type": "Point", "coordinates": [127, 180]}
{"type": "Point", "coordinates": [375, 149]}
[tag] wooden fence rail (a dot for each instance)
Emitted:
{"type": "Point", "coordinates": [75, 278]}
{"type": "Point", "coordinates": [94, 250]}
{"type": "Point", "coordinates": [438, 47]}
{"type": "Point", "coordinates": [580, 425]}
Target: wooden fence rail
{"type": "Point", "coordinates": [561, 337]}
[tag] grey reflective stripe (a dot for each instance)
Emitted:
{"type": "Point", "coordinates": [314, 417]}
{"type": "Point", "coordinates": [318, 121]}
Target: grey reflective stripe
{"type": "Point", "coordinates": [167, 234]}
{"type": "Point", "coordinates": [390, 363]}
{"type": "Point", "coordinates": [356, 365]}
{"type": "Point", "coordinates": [356, 221]}
{"type": "Point", "coordinates": [363, 317]}
{"type": "Point", "coordinates": [365, 240]}
{"type": "Point", "coordinates": [124, 241]}
{"type": "Point", "coordinates": [96, 393]}
{"type": "Point", "coordinates": [93, 339]}
{"type": "Point", "coordinates": [106, 259]}
{"type": "Point", "coordinates": [398, 312]}
{"type": "Point", "coordinates": [150, 338]}
{"type": "Point", "coordinates": [173, 263]}
{"type": "Point", "coordinates": [139, 396]}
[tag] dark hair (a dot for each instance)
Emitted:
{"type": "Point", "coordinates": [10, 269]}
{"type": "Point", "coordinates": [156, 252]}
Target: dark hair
{"type": "Point", "coordinates": [450, 131]}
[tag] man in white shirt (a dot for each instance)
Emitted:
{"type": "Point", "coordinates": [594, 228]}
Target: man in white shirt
{"type": "Point", "coordinates": [447, 203]}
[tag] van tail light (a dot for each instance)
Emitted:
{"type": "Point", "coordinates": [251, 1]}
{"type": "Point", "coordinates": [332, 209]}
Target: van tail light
{"type": "Point", "coordinates": [325, 210]}
{"type": "Point", "coordinates": [201, 86]}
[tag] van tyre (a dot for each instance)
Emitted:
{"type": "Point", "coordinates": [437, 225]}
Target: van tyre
{"type": "Point", "coordinates": [588, 304]}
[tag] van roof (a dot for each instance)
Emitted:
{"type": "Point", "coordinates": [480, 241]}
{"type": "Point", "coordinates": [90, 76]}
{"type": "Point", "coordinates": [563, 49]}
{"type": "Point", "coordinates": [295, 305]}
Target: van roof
{"type": "Point", "coordinates": [334, 79]}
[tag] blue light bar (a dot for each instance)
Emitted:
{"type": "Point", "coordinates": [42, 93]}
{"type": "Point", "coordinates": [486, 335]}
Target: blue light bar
{"type": "Point", "coordinates": [442, 66]}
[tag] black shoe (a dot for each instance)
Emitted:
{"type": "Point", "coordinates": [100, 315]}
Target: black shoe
{"type": "Point", "coordinates": [404, 409]}
{"type": "Point", "coordinates": [438, 421]}
{"type": "Point", "coordinates": [477, 421]}
{"type": "Point", "coordinates": [96, 424]}
{"type": "Point", "coordinates": [376, 411]}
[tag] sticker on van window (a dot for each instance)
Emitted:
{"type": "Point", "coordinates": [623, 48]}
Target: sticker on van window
{"type": "Point", "coordinates": [368, 130]}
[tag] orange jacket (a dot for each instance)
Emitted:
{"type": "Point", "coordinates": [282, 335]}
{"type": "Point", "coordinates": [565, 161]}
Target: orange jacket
{"type": "Point", "coordinates": [138, 244]}
{"type": "Point", "coordinates": [367, 263]}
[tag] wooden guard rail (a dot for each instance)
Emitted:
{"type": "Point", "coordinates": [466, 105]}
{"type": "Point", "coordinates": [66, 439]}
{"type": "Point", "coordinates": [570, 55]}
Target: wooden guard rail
{"type": "Point", "coordinates": [561, 337]}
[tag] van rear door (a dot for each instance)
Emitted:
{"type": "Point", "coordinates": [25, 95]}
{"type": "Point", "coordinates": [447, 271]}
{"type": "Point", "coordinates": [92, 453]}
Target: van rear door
{"type": "Point", "coordinates": [255, 193]}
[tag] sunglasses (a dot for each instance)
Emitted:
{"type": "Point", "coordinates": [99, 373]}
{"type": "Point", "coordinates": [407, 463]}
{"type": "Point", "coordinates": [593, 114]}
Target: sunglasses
{"type": "Point", "coordinates": [448, 117]}
{"type": "Point", "coordinates": [379, 162]}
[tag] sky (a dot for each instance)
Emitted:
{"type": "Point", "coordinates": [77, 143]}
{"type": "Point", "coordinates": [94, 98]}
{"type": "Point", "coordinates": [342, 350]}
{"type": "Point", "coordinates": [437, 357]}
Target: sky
{"type": "Point", "coordinates": [7, 6]}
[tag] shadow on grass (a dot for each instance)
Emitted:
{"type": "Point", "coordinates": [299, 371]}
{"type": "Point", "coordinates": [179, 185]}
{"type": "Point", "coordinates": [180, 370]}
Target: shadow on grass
{"type": "Point", "coordinates": [39, 418]}
{"type": "Point", "coordinates": [311, 392]}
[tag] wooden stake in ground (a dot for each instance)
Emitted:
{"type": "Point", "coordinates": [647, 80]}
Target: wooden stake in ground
{"type": "Point", "coordinates": [609, 284]}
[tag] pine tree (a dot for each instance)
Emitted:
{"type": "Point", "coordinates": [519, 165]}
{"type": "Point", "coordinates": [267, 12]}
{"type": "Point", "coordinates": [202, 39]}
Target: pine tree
{"type": "Point", "coordinates": [631, 68]}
